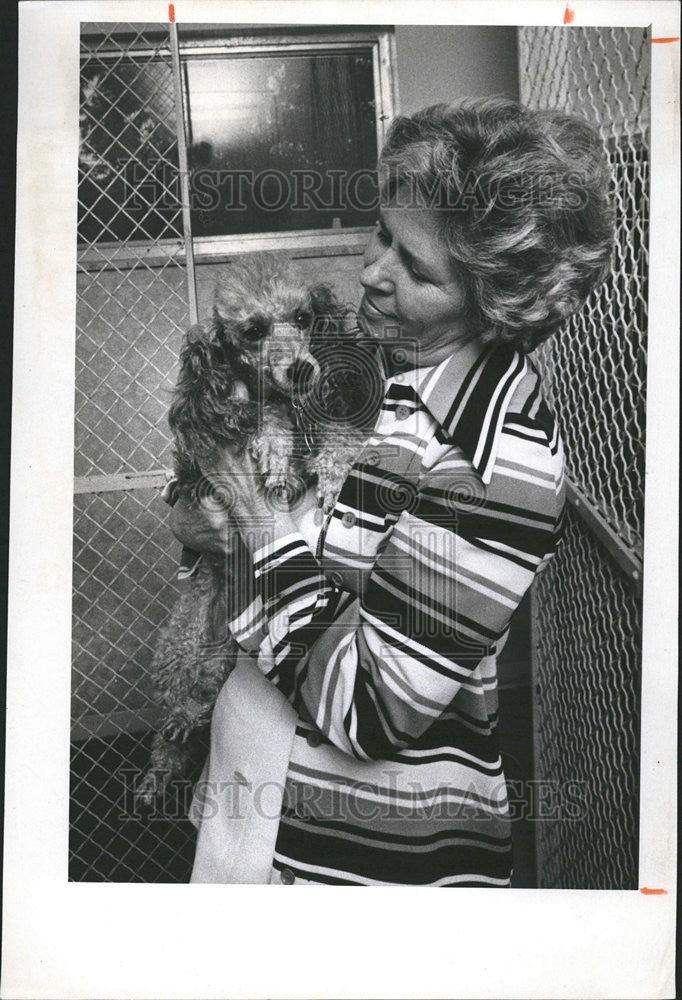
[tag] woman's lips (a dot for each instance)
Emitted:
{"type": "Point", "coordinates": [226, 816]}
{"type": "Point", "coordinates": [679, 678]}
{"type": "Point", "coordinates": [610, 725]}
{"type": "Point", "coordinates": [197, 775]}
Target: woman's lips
{"type": "Point", "coordinates": [369, 309]}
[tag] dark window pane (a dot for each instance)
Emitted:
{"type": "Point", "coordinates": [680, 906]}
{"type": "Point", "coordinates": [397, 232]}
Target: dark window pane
{"type": "Point", "coordinates": [128, 151]}
{"type": "Point", "coordinates": [281, 143]}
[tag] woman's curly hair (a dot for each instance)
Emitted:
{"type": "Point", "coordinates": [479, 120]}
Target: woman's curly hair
{"type": "Point", "coordinates": [524, 201]}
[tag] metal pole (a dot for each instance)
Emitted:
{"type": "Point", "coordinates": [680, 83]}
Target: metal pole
{"type": "Point", "coordinates": [184, 174]}
{"type": "Point", "coordinates": [629, 560]}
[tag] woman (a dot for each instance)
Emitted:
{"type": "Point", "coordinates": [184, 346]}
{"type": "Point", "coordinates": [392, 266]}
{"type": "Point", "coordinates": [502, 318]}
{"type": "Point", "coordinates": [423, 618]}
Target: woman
{"type": "Point", "coordinates": [382, 634]}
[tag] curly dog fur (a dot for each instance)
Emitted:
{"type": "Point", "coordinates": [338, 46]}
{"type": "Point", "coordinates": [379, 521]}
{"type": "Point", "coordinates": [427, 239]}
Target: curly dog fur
{"type": "Point", "coordinates": [269, 372]}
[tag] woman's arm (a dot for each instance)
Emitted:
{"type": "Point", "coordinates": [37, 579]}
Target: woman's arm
{"type": "Point", "coordinates": [209, 529]}
{"type": "Point", "coordinates": [203, 528]}
{"type": "Point", "coordinates": [439, 597]}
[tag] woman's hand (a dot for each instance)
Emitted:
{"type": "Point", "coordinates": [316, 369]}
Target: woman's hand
{"type": "Point", "coordinates": [203, 527]}
{"type": "Point", "coordinates": [236, 483]}
{"type": "Point", "coordinates": [206, 527]}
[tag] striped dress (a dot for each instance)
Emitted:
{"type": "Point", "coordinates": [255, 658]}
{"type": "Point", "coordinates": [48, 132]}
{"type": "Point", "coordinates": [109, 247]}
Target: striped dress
{"type": "Point", "coordinates": [384, 636]}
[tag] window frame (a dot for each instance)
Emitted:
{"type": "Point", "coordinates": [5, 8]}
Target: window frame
{"type": "Point", "coordinates": [196, 42]}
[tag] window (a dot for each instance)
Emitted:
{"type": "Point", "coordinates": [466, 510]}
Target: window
{"type": "Point", "coordinates": [128, 158]}
{"type": "Point", "coordinates": [282, 133]}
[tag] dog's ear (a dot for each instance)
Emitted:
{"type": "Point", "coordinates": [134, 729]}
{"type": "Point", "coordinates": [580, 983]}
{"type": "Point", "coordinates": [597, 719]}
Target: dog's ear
{"type": "Point", "coordinates": [230, 356]}
{"type": "Point", "coordinates": [203, 379]}
{"type": "Point", "coordinates": [200, 352]}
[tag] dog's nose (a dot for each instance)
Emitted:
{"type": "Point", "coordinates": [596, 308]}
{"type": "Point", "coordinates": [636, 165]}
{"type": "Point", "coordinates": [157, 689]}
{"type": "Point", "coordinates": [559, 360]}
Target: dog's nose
{"type": "Point", "coordinates": [301, 374]}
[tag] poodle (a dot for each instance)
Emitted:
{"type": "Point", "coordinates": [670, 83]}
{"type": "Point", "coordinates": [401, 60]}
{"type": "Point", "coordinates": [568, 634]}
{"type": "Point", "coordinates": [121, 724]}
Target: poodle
{"type": "Point", "coordinates": [280, 370]}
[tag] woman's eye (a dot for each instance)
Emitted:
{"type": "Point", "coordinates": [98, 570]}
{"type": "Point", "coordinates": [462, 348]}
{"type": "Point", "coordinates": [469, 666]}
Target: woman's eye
{"type": "Point", "coordinates": [420, 278]}
{"type": "Point", "coordinates": [303, 318]}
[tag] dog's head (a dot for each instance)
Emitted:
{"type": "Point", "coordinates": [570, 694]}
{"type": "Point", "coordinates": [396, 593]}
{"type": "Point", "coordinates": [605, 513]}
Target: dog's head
{"type": "Point", "coordinates": [256, 348]}
{"type": "Point", "coordinates": [265, 316]}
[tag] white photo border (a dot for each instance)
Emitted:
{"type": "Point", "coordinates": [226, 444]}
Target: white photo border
{"type": "Point", "coordinates": [76, 940]}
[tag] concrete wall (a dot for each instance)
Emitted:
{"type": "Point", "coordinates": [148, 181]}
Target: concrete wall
{"type": "Point", "coordinates": [446, 62]}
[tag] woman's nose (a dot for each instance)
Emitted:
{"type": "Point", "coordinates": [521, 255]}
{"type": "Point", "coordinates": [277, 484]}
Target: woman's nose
{"type": "Point", "coordinates": [376, 273]}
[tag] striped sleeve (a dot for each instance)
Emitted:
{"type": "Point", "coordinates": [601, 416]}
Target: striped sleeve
{"type": "Point", "coordinates": [284, 590]}
{"type": "Point", "coordinates": [440, 595]}
{"type": "Point", "coordinates": [293, 588]}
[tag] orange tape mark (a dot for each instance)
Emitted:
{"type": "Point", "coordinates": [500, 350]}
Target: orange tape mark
{"type": "Point", "coordinates": [171, 13]}
{"type": "Point", "coordinates": [568, 15]}
{"type": "Point", "coordinates": [654, 892]}
{"type": "Point", "coordinates": [666, 39]}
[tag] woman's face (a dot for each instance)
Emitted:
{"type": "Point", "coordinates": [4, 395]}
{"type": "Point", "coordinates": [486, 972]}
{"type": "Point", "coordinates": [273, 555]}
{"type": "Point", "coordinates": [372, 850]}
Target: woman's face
{"type": "Point", "coordinates": [409, 283]}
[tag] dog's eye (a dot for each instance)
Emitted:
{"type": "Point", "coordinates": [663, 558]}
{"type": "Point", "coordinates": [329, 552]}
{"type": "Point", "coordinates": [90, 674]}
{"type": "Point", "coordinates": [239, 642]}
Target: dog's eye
{"type": "Point", "coordinates": [255, 332]}
{"type": "Point", "coordinates": [303, 318]}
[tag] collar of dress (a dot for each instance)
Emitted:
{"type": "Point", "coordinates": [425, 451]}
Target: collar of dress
{"type": "Point", "coordinates": [468, 394]}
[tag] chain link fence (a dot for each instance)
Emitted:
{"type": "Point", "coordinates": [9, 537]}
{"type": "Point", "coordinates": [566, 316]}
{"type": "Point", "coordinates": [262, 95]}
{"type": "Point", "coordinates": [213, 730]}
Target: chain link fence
{"type": "Point", "coordinates": [586, 605]}
{"type": "Point", "coordinates": [133, 308]}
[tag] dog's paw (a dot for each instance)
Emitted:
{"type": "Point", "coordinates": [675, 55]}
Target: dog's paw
{"type": "Point", "coordinates": [177, 727]}
{"type": "Point", "coordinates": [276, 478]}
{"type": "Point", "coordinates": [153, 784]}
{"type": "Point", "coordinates": [331, 470]}
{"type": "Point", "coordinates": [328, 489]}
{"type": "Point", "coordinates": [276, 468]}
{"type": "Point", "coordinates": [273, 447]}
